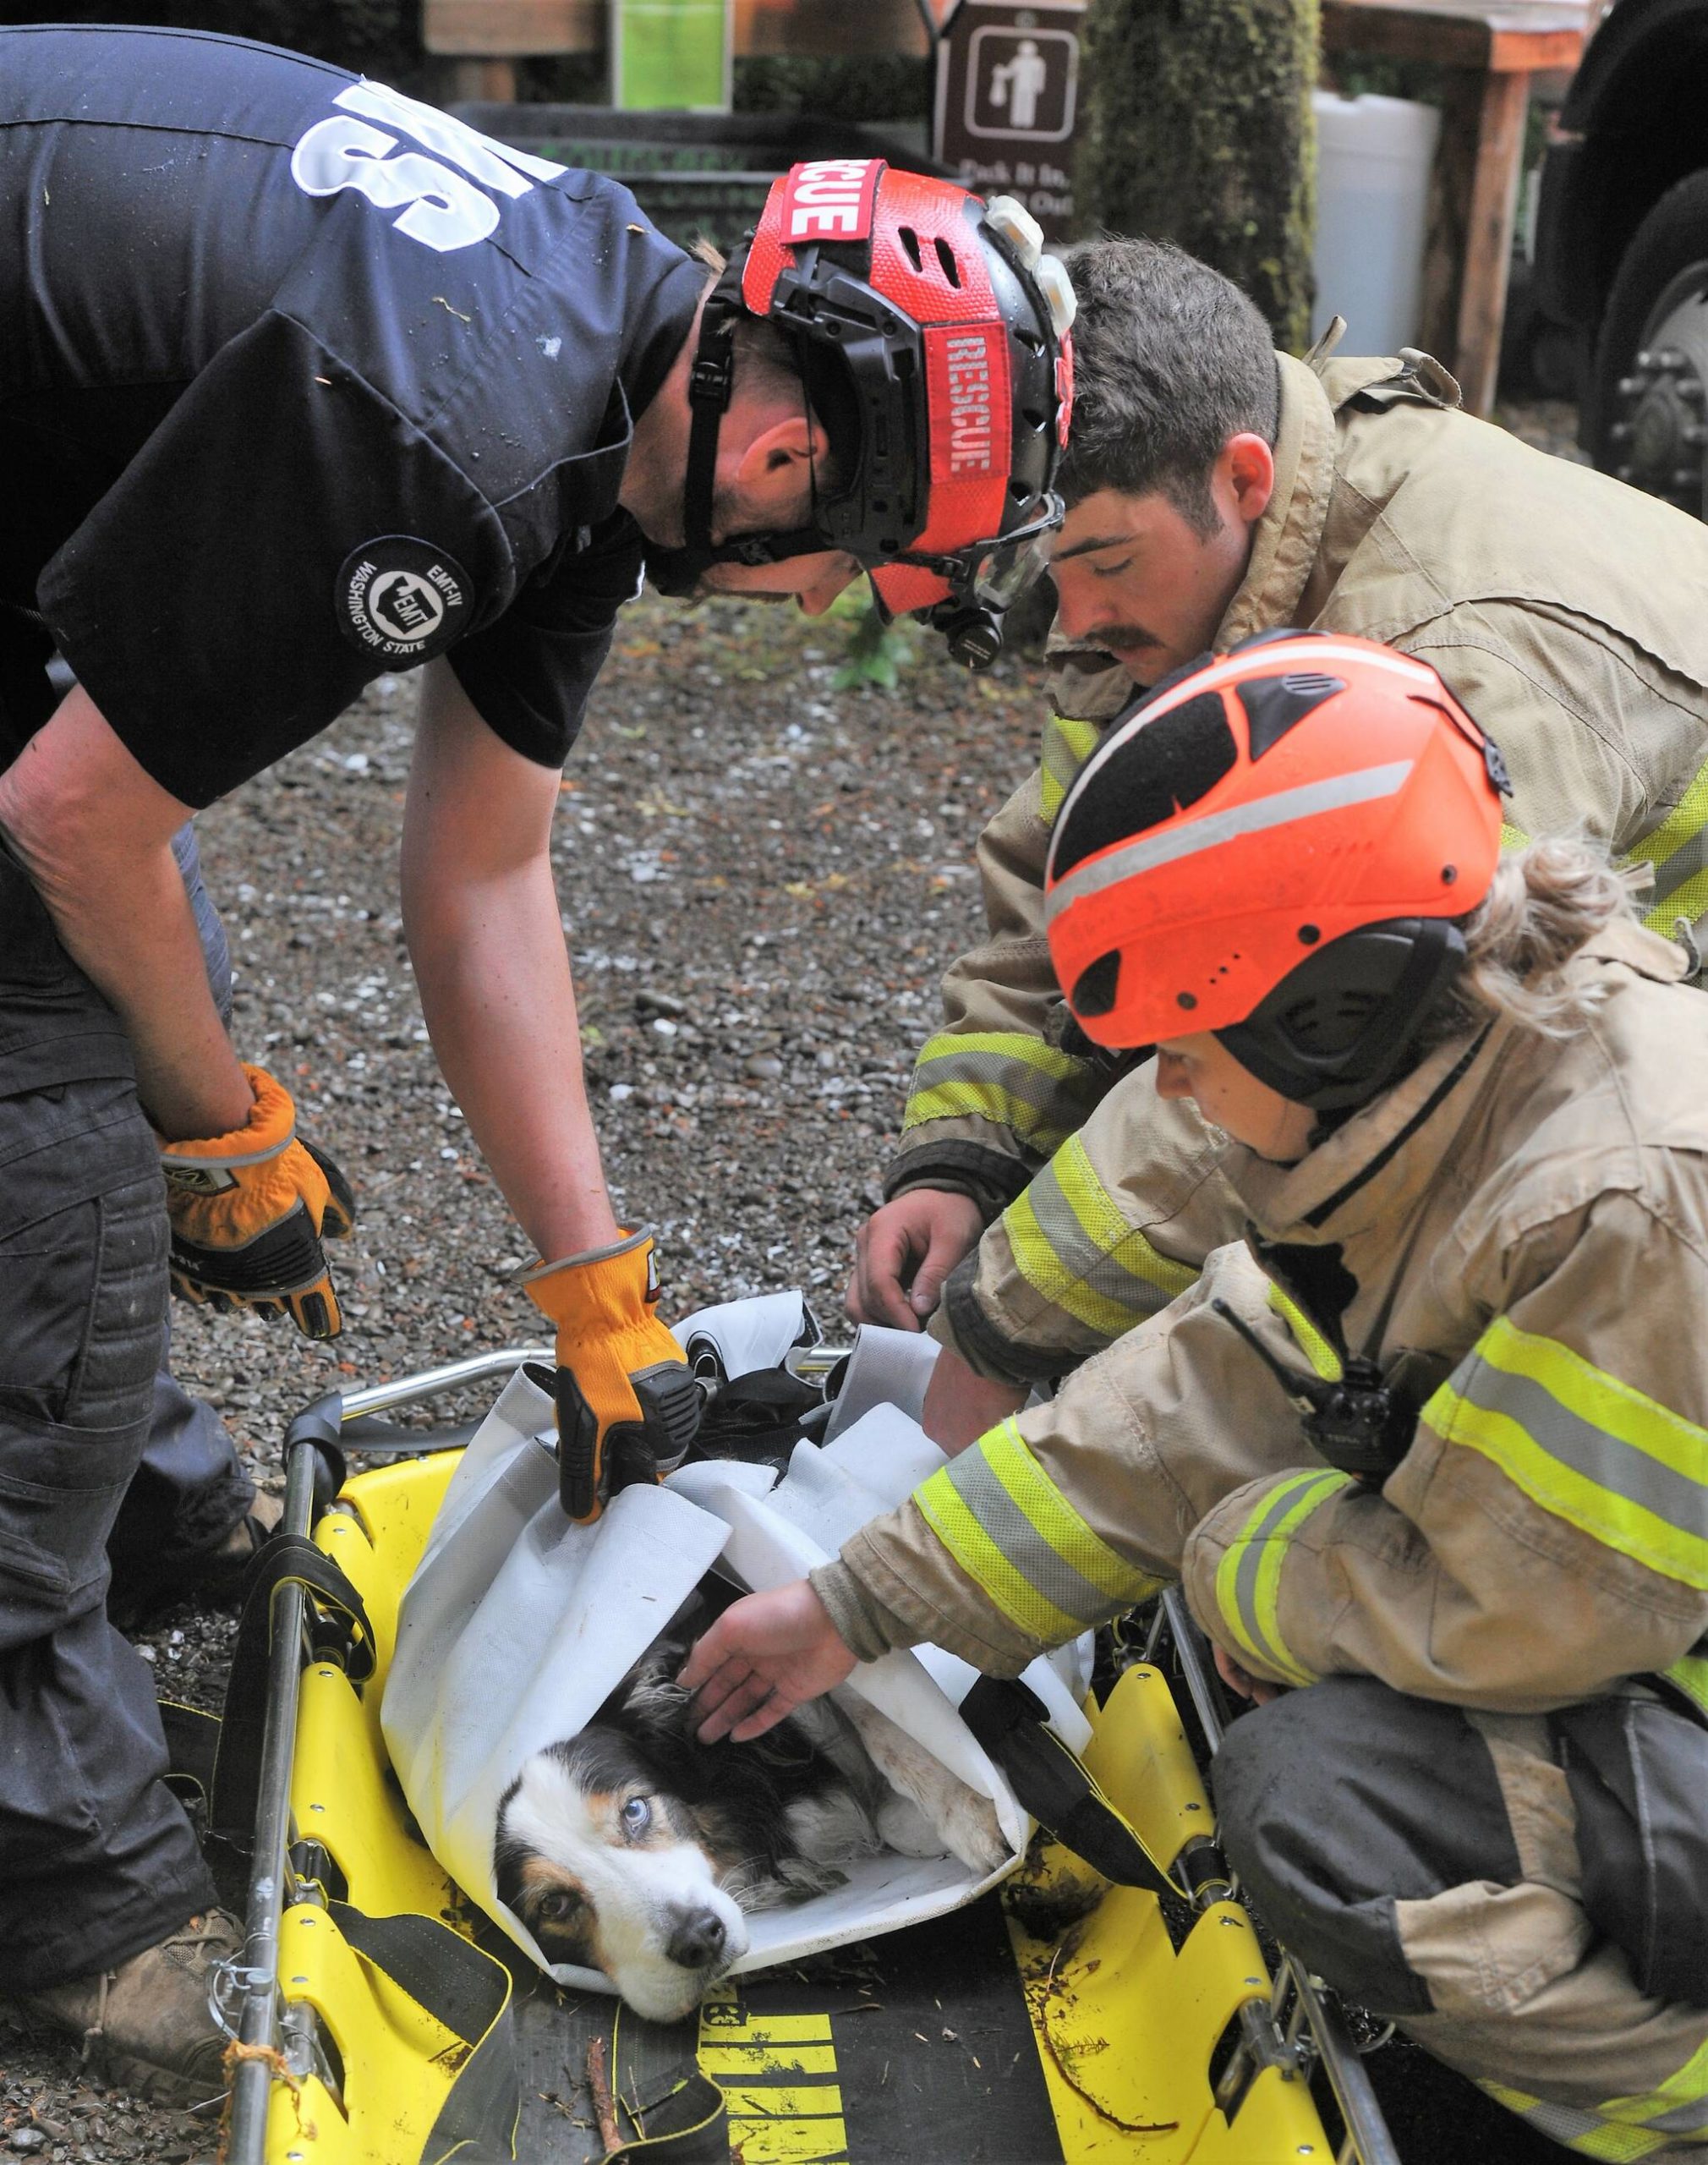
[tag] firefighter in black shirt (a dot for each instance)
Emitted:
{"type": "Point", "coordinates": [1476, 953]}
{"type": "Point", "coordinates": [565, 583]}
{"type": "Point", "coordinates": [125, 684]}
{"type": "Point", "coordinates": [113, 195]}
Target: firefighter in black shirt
{"type": "Point", "coordinates": [302, 382]}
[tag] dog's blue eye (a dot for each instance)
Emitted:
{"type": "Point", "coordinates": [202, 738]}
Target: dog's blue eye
{"type": "Point", "coordinates": [637, 1816]}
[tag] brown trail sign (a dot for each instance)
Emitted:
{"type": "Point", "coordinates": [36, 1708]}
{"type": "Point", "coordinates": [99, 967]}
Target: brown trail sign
{"type": "Point", "coordinates": [1007, 97]}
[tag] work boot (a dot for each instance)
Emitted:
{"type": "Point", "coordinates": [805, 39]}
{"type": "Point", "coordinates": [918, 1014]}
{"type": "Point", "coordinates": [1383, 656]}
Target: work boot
{"type": "Point", "coordinates": [147, 2026]}
{"type": "Point", "coordinates": [214, 1575]}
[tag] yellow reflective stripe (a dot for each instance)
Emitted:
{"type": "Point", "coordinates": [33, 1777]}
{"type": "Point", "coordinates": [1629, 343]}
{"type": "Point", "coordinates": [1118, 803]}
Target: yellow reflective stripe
{"type": "Point", "coordinates": [1248, 1578]}
{"type": "Point", "coordinates": [1009, 1076]}
{"type": "Point", "coordinates": [1310, 1341]}
{"type": "Point", "coordinates": [984, 1101]}
{"type": "Point", "coordinates": [1691, 1674]}
{"type": "Point", "coordinates": [1679, 835]}
{"type": "Point", "coordinates": [1011, 1530]}
{"type": "Point", "coordinates": [1678, 2106]}
{"type": "Point", "coordinates": [1021, 1045]}
{"type": "Point", "coordinates": [1074, 1247]}
{"type": "Point", "coordinates": [1581, 2128]}
{"type": "Point", "coordinates": [985, 1565]}
{"type": "Point", "coordinates": [1587, 1447]}
{"type": "Point", "coordinates": [1067, 745]}
{"type": "Point", "coordinates": [1615, 2146]}
{"type": "Point", "coordinates": [1042, 1505]}
{"type": "Point", "coordinates": [1513, 838]}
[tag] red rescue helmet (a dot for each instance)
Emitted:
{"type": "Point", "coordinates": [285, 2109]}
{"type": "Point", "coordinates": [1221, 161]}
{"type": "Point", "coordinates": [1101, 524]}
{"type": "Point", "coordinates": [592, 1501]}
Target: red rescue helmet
{"type": "Point", "coordinates": [932, 335]}
{"type": "Point", "coordinates": [1273, 846]}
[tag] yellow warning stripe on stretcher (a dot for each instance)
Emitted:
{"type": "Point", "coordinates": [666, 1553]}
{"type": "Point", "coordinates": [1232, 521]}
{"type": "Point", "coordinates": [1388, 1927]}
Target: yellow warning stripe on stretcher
{"type": "Point", "coordinates": [757, 2061]}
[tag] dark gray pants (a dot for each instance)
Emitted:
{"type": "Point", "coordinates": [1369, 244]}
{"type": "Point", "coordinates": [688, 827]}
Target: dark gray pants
{"type": "Point", "coordinates": [191, 1489]}
{"type": "Point", "coordinates": [97, 1861]}
{"type": "Point", "coordinates": [105, 1461]}
{"type": "Point", "coordinates": [1466, 1873]}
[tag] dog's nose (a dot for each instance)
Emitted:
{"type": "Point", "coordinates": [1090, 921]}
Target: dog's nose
{"type": "Point", "coordinates": [697, 1939]}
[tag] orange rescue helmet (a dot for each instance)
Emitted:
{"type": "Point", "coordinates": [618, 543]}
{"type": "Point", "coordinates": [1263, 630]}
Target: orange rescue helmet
{"type": "Point", "coordinates": [1273, 845]}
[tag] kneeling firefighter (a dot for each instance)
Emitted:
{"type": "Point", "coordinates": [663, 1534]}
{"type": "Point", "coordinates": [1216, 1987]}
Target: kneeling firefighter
{"type": "Point", "coordinates": [1427, 1458]}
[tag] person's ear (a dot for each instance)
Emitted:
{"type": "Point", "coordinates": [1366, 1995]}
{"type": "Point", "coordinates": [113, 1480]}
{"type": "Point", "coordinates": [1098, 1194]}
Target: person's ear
{"type": "Point", "coordinates": [1247, 468]}
{"type": "Point", "coordinates": [773, 470]}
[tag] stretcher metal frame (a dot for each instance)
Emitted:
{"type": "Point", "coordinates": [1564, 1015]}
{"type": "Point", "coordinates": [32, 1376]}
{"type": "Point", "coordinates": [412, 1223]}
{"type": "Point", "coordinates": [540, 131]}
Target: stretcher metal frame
{"type": "Point", "coordinates": [1300, 2022]}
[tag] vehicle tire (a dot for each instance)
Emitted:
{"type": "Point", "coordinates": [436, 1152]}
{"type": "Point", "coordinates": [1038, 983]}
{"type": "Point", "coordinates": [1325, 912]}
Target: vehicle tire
{"type": "Point", "coordinates": [1658, 305]}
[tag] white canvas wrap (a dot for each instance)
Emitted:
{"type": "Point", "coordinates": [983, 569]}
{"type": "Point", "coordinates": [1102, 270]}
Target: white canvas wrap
{"type": "Point", "coordinates": [518, 1624]}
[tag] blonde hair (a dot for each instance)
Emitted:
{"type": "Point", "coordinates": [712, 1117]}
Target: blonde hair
{"type": "Point", "coordinates": [1544, 903]}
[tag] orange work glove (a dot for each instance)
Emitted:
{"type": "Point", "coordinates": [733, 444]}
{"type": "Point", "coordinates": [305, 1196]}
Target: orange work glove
{"type": "Point", "coordinates": [248, 1212]}
{"type": "Point", "coordinates": [627, 1404]}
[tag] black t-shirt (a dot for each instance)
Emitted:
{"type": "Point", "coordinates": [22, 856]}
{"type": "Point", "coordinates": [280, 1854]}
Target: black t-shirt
{"type": "Point", "coordinates": [300, 382]}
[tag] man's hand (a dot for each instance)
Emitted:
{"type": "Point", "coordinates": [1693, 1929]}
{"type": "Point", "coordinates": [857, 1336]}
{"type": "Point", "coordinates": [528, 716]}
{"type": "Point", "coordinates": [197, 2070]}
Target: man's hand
{"type": "Point", "coordinates": [962, 1405]}
{"type": "Point", "coordinates": [627, 1404]}
{"type": "Point", "coordinates": [249, 1210]}
{"type": "Point", "coordinates": [904, 1251]}
{"type": "Point", "coordinates": [765, 1656]}
{"type": "Point", "coordinates": [1240, 1681]}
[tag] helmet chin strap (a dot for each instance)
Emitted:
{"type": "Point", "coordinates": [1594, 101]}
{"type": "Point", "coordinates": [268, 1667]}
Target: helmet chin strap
{"type": "Point", "coordinates": [711, 385]}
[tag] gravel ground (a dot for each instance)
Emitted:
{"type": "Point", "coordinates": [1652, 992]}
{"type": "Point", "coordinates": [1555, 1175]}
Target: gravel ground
{"type": "Point", "coordinates": [761, 877]}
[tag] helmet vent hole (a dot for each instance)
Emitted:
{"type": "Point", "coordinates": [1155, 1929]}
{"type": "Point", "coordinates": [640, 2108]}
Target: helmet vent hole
{"type": "Point", "coordinates": [945, 256]}
{"type": "Point", "coordinates": [909, 245]}
{"type": "Point", "coordinates": [1095, 992]}
{"type": "Point", "coordinates": [1275, 704]}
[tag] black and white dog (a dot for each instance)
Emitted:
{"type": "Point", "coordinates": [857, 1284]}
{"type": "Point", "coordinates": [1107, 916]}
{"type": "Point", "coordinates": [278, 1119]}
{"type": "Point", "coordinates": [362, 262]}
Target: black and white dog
{"type": "Point", "coordinates": [634, 1848]}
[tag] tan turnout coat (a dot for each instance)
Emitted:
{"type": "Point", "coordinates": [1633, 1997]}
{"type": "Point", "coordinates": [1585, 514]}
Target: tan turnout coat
{"type": "Point", "coordinates": [1566, 611]}
{"type": "Point", "coordinates": [1519, 1234]}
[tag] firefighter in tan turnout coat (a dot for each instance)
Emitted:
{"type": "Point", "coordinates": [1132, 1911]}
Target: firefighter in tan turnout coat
{"type": "Point", "coordinates": [1432, 1447]}
{"type": "Point", "coordinates": [1564, 609]}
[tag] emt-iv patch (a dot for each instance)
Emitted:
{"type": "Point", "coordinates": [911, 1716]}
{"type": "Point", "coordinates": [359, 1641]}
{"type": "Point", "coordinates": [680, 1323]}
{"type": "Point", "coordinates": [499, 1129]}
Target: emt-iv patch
{"type": "Point", "coordinates": [401, 599]}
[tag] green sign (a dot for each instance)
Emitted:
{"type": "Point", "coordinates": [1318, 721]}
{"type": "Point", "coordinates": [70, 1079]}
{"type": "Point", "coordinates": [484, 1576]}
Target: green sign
{"type": "Point", "coordinates": [670, 53]}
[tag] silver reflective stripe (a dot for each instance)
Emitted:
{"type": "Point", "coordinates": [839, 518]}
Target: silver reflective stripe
{"type": "Point", "coordinates": [1686, 860]}
{"type": "Point", "coordinates": [1608, 1460]}
{"type": "Point", "coordinates": [1019, 1078]}
{"type": "Point", "coordinates": [1687, 2119]}
{"type": "Point", "coordinates": [1253, 1539]}
{"type": "Point", "coordinates": [1308, 802]}
{"type": "Point", "coordinates": [1100, 1259]}
{"type": "Point", "coordinates": [1022, 1546]}
{"type": "Point", "coordinates": [1564, 2123]}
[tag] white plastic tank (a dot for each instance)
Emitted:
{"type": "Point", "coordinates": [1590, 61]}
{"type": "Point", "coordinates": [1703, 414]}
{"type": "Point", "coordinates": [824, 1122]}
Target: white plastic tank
{"type": "Point", "coordinates": [1373, 161]}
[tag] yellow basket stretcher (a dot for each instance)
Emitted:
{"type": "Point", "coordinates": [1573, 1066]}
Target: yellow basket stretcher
{"type": "Point", "coordinates": [1025, 2030]}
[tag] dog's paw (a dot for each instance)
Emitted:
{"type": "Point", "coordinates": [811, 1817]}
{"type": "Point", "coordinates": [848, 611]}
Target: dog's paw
{"type": "Point", "coordinates": [971, 1829]}
{"type": "Point", "coordinates": [957, 1818]}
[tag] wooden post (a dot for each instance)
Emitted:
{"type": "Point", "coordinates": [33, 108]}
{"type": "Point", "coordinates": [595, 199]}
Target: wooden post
{"type": "Point", "coordinates": [1488, 240]}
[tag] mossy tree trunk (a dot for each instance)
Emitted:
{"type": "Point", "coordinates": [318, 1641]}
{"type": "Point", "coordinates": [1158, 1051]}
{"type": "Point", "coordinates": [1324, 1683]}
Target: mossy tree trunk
{"type": "Point", "coordinates": [1197, 129]}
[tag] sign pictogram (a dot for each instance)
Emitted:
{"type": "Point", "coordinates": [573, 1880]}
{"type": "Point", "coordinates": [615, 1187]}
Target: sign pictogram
{"type": "Point", "coordinates": [1007, 101]}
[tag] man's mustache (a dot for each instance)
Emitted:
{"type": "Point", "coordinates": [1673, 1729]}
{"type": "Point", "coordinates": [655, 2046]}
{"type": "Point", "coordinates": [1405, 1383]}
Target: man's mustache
{"type": "Point", "coordinates": [1131, 637]}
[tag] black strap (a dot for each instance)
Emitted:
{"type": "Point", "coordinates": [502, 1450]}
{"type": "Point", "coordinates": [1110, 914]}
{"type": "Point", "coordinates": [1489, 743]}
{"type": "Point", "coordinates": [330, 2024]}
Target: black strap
{"type": "Point", "coordinates": [469, 1993]}
{"type": "Point", "coordinates": [1056, 1787]}
{"type": "Point", "coordinates": [192, 1745]}
{"type": "Point", "coordinates": [679, 2114]}
{"type": "Point", "coordinates": [287, 1560]}
{"type": "Point", "coordinates": [711, 380]}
